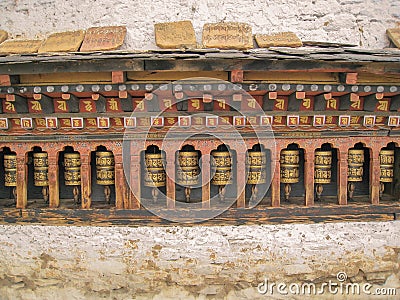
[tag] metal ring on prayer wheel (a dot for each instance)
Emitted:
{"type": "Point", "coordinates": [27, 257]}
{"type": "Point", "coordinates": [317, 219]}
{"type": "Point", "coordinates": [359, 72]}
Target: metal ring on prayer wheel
{"type": "Point", "coordinates": [188, 170]}
{"type": "Point", "coordinates": [290, 166]}
{"type": "Point", "coordinates": [10, 170]}
{"type": "Point", "coordinates": [222, 166]}
{"type": "Point", "coordinates": [256, 161]}
{"type": "Point", "coordinates": [154, 170]}
{"type": "Point", "coordinates": [355, 165]}
{"type": "Point", "coordinates": [105, 170]}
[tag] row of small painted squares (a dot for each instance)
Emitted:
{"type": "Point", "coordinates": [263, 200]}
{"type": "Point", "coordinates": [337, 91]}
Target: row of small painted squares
{"type": "Point", "coordinates": [291, 121]}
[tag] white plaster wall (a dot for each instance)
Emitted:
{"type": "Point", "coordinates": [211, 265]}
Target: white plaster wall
{"type": "Point", "coordinates": [360, 22]}
{"type": "Point", "coordinates": [44, 262]}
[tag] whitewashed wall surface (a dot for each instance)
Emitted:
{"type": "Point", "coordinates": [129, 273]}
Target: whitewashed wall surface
{"type": "Point", "coordinates": [359, 22]}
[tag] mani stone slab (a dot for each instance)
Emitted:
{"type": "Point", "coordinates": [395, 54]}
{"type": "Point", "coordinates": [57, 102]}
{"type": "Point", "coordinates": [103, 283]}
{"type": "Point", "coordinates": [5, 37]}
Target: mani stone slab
{"type": "Point", "coordinates": [394, 36]}
{"type": "Point", "coordinates": [3, 35]}
{"type": "Point", "coordinates": [281, 39]}
{"type": "Point", "coordinates": [227, 35]}
{"type": "Point", "coordinates": [20, 46]}
{"type": "Point", "coordinates": [173, 35]}
{"type": "Point", "coordinates": [63, 42]}
{"type": "Point", "coordinates": [103, 38]}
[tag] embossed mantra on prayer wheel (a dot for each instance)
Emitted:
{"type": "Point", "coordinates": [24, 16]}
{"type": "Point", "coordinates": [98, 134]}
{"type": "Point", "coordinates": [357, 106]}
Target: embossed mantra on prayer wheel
{"type": "Point", "coordinates": [105, 171]}
{"type": "Point", "coordinates": [256, 162]}
{"type": "Point", "coordinates": [289, 161]}
{"type": "Point", "coordinates": [322, 170]}
{"type": "Point", "coordinates": [188, 170]}
{"type": "Point", "coordinates": [386, 161]}
{"type": "Point", "coordinates": [154, 172]}
{"type": "Point", "coordinates": [221, 167]}
{"type": "Point", "coordinates": [355, 169]}
{"type": "Point", "coordinates": [72, 172]}
{"type": "Point", "coordinates": [10, 172]}
{"type": "Point", "coordinates": [40, 173]}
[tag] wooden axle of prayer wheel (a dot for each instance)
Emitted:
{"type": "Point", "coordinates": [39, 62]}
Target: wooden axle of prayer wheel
{"type": "Point", "coordinates": [221, 167]}
{"type": "Point", "coordinates": [188, 170]}
{"type": "Point", "coordinates": [10, 173]}
{"type": "Point", "coordinates": [256, 162]}
{"type": "Point", "coordinates": [105, 172]}
{"type": "Point", "coordinates": [322, 170]}
{"type": "Point", "coordinates": [289, 160]}
{"type": "Point", "coordinates": [155, 175]}
{"type": "Point", "coordinates": [72, 173]}
{"type": "Point", "coordinates": [355, 169]}
{"type": "Point", "coordinates": [386, 162]}
{"type": "Point", "coordinates": [40, 173]}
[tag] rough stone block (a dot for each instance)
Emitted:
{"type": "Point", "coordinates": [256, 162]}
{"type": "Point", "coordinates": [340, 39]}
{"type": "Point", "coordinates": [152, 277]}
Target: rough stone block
{"type": "Point", "coordinates": [3, 35]}
{"type": "Point", "coordinates": [227, 35]}
{"type": "Point", "coordinates": [394, 36]}
{"type": "Point", "coordinates": [172, 35]}
{"type": "Point", "coordinates": [281, 39]}
{"type": "Point", "coordinates": [103, 38]}
{"type": "Point", "coordinates": [20, 46]}
{"type": "Point", "coordinates": [63, 42]}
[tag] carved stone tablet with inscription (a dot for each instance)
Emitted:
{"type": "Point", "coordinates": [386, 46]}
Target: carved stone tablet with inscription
{"type": "Point", "coordinates": [63, 42]}
{"type": "Point", "coordinates": [20, 46]}
{"type": "Point", "coordinates": [281, 39]}
{"type": "Point", "coordinates": [103, 38]}
{"type": "Point", "coordinates": [227, 35]}
{"type": "Point", "coordinates": [394, 36]}
{"type": "Point", "coordinates": [174, 35]}
{"type": "Point", "coordinates": [3, 35]}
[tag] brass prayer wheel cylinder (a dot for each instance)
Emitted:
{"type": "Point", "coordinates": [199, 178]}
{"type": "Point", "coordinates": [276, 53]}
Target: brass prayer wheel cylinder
{"type": "Point", "coordinates": [40, 169]}
{"type": "Point", "coordinates": [10, 170]}
{"type": "Point", "coordinates": [154, 170]}
{"type": "Point", "coordinates": [221, 166]}
{"type": "Point", "coordinates": [188, 168]}
{"type": "Point", "coordinates": [72, 166]}
{"type": "Point", "coordinates": [323, 162]}
{"type": "Point", "coordinates": [290, 160]}
{"type": "Point", "coordinates": [256, 162]}
{"type": "Point", "coordinates": [355, 165]}
{"type": "Point", "coordinates": [386, 161]}
{"type": "Point", "coordinates": [105, 173]}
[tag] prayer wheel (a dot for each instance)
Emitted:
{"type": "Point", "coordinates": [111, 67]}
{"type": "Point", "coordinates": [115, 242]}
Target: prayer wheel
{"type": "Point", "coordinates": [221, 166]}
{"type": "Point", "coordinates": [10, 172]}
{"type": "Point", "coordinates": [322, 170]}
{"type": "Point", "coordinates": [40, 173]}
{"type": "Point", "coordinates": [105, 171]}
{"type": "Point", "coordinates": [154, 172]}
{"type": "Point", "coordinates": [72, 172]}
{"type": "Point", "coordinates": [355, 169]}
{"type": "Point", "coordinates": [289, 161]}
{"type": "Point", "coordinates": [386, 161]}
{"type": "Point", "coordinates": [188, 170]}
{"type": "Point", "coordinates": [256, 162]}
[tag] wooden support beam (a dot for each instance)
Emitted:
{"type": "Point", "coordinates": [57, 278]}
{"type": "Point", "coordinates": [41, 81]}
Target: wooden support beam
{"type": "Point", "coordinates": [240, 179]}
{"type": "Point", "coordinates": [46, 103]}
{"type": "Point", "coordinates": [342, 175]}
{"type": "Point", "coordinates": [276, 178]}
{"type": "Point", "coordinates": [170, 169]}
{"type": "Point", "coordinates": [309, 176]}
{"type": "Point", "coordinates": [374, 175]}
{"type": "Point", "coordinates": [119, 181]}
{"type": "Point", "coordinates": [86, 180]}
{"type": "Point", "coordinates": [22, 180]}
{"type": "Point", "coordinates": [206, 179]}
{"type": "Point", "coordinates": [54, 193]}
{"type": "Point", "coordinates": [135, 178]}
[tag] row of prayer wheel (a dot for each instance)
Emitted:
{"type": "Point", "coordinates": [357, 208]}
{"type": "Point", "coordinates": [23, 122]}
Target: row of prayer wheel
{"type": "Point", "coordinates": [188, 172]}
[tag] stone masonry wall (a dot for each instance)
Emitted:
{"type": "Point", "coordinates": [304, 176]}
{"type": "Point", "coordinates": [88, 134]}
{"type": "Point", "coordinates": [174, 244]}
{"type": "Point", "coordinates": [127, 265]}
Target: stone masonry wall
{"type": "Point", "coordinates": [44, 262]}
{"type": "Point", "coordinates": [360, 22]}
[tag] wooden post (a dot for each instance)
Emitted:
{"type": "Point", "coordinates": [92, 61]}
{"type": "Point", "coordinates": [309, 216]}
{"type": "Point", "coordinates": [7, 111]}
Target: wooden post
{"type": "Point", "coordinates": [342, 175]}
{"type": "Point", "coordinates": [53, 172]}
{"type": "Point", "coordinates": [135, 176]}
{"type": "Point", "coordinates": [205, 174]}
{"type": "Point", "coordinates": [374, 175]}
{"type": "Point", "coordinates": [119, 181]}
{"type": "Point", "coordinates": [241, 179]}
{"type": "Point", "coordinates": [22, 180]}
{"type": "Point", "coordinates": [86, 182]}
{"type": "Point", "coordinates": [276, 178]}
{"type": "Point", "coordinates": [309, 176]}
{"type": "Point", "coordinates": [170, 169]}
